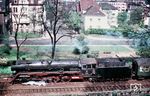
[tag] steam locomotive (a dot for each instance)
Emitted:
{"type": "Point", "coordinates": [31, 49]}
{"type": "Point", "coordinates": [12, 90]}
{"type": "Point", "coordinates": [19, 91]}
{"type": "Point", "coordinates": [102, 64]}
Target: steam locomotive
{"type": "Point", "coordinates": [92, 69]}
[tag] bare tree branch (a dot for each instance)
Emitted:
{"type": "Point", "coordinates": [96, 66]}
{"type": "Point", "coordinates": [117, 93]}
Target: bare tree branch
{"type": "Point", "coordinates": [62, 37]}
{"type": "Point", "coordinates": [60, 26]}
{"type": "Point", "coordinates": [23, 41]}
{"type": "Point", "coordinates": [17, 21]}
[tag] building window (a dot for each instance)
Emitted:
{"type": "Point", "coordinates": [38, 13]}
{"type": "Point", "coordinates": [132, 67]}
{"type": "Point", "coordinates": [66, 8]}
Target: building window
{"type": "Point", "coordinates": [15, 9]}
{"type": "Point", "coordinates": [99, 19]}
{"type": "Point", "coordinates": [90, 19]}
{"type": "Point", "coordinates": [15, 1]}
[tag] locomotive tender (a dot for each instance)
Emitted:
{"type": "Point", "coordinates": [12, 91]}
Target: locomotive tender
{"type": "Point", "coordinates": [92, 69]}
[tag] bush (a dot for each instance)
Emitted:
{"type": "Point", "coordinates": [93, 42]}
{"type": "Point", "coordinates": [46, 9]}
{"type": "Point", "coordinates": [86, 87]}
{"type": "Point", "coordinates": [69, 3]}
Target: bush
{"type": "Point", "coordinates": [85, 50]}
{"type": "Point", "coordinates": [108, 32]}
{"type": "Point", "coordinates": [80, 45]}
{"type": "Point", "coordinates": [76, 51]}
{"type": "Point", "coordinates": [5, 50]}
{"type": "Point", "coordinates": [144, 51]}
{"type": "Point", "coordinates": [5, 70]}
{"type": "Point", "coordinates": [96, 31]}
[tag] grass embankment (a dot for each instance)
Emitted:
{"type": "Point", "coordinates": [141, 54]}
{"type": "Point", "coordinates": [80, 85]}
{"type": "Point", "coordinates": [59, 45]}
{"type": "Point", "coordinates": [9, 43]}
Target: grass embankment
{"type": "Point", "coordinates": [43, 52]}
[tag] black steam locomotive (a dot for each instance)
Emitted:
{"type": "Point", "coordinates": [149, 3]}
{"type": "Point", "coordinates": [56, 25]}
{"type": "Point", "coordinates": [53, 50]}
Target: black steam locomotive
{"type": "Point", "coordinates": [85, 69]}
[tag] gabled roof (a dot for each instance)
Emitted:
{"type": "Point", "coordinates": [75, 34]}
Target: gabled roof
{"type": "Point", "coordinates": [85, 4]}
{"type": "Point", "coordinates": [94, 11]}
{"type": "Point", "coordinates": [106, 6]}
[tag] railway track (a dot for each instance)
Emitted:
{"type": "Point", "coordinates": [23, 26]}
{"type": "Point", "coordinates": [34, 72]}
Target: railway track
{"type": "Point", "coordinates": [78, 88]}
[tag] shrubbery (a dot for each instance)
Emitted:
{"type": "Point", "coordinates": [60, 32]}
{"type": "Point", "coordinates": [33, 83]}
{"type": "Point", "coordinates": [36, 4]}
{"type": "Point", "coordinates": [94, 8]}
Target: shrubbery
{"type": "Point", "coordinates": [84, 50]}
{"type": "Point", "coordinates": [5, 70]}
{"type": "Point", "coordinates": [108, 32]}
{"type": "Point", "coordinates": [120, 32]}
{"type": "Point", "coordinates": [80, 45]}
{"type": "Point", "coordinates": [5, 50]}
{"type": "Point", "coordinates": [144, 51]}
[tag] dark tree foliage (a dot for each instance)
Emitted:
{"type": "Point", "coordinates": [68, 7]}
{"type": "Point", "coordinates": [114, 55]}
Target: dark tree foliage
{"type": "Point", "coordinates": [143, 42]}
{"type": "Point", "coordinates": [136, 16]}
{"type": "Point", "coordinates": [122, 18]}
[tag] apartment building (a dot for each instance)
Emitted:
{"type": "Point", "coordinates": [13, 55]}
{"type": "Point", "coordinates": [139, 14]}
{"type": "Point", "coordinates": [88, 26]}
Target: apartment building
{"type": "Point", "coordinates": [27, 15]}
{"type": "Point", "coordinates": [121, 6]}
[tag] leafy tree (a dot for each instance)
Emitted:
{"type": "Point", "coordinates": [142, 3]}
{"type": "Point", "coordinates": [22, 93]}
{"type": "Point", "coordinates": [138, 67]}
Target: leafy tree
{"type": "Point", "coordinates": [136, 16]}
{"type": "Point", "coordinates": [54, 25]}
{"type": "Point", "coordinates": [142, 42]}
{"type": "Point", "coordinates": [80, 45]}
{"type": "Point", "coordinates": [74, 21]}
{"type": "Point", "coordinates": [122, 18]}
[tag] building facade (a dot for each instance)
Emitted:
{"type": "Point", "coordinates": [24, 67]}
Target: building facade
{"type": "Point", "coordinates": [27, 15]}
{"type": "Point", "coordinates": [94, 18]}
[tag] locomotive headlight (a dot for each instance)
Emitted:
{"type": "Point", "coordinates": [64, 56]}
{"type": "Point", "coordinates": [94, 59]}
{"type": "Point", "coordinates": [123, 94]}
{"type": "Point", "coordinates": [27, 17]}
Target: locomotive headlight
{"type": "Point", "coordinates": [144, 69]}
{"type": "Point", "coordinates": [141, 69]}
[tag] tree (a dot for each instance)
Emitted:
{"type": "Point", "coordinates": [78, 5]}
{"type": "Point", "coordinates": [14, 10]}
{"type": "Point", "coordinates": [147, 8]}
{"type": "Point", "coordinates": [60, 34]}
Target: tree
{"type": "Point", "coordinates": [136, 16]}
{"type": "Point", "coordinates": [54, 25]}
{"type": "Point", "coordinates": [142, 42]}
{"type": "Point", "coordinates": [122, 18]}
{"type": "Point", "coordinates": [17, 19]}
{"type": "Point", "coordinates": [74, 21]}
{"type": "Point", "coordinates": [80, 45]}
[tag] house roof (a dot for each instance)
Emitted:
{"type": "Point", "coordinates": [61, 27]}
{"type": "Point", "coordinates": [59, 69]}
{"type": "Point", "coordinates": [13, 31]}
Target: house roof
{"type": "Point", "coordinates": [94, 11]}
{"type": "Point", "coordinates": [85, 4]}
{"type": "Point", "coordinates": [106, 6]}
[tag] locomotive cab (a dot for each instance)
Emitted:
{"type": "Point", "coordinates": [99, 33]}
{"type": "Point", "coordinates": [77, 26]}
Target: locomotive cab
{"type": "Point", "coordinates": [88, 66]}
{"type": "Point", "coordinates": [143, 68]}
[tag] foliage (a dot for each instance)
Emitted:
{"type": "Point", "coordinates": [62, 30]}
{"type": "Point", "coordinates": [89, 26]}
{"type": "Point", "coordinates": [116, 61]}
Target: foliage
{"type": "Point", "coordinates": [136, 16]}
{"type": "Point", "coordinates": [5, 50]}
{"type": "Point", "coordinates": [127, 31]}
{"type": "Point", "coordinates": [5, 70]}
{"type": "Point", "coordinates": [108, 32]}
{"type": "Point", "coordinates": [142, 42]}
{"type": "Point", "coordinates": [144, 51]}
{"type": "Point", "coordinates": [122, 18]}
{"type": "Point", "coordinates": [80, 45]}
{"type": "Point", "coordinates": [55, 22]}
{"type": "Point", "coordinates": [74, 21]}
